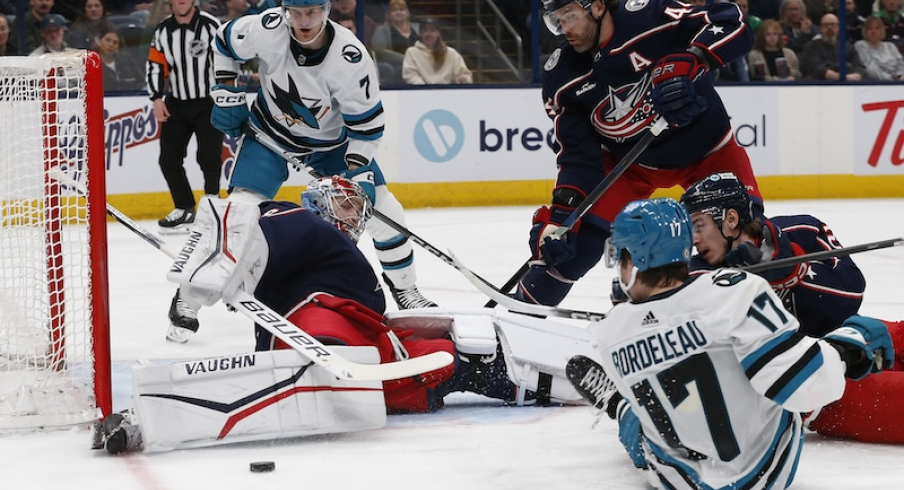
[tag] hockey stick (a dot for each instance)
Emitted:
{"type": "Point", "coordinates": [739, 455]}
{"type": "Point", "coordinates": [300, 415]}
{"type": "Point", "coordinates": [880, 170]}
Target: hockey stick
{"type": "Point", "coordinates": [268, 142]}
{"type": "Point", "coordinates": [655, 130]}
{"type": "Point", "coordinates": [824, 254]}
{"type": "Point", "coordinates": [282, 328]}
{"type": "Point", "coordinates": [513, 304]}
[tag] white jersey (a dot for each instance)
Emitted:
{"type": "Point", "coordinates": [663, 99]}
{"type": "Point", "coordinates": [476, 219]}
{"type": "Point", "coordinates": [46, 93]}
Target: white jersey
{"type": "Point", "coordinates": [309, 100]}
{"type": "Point", "coordinates": [717, 374]}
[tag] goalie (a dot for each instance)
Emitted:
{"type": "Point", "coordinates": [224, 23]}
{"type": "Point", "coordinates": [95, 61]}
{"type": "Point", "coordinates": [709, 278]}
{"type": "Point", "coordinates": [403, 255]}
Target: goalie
{"type": "Point", "coordinates": [303, 263]}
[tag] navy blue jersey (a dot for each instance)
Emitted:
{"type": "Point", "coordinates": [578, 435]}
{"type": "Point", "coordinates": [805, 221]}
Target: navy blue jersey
{"type": "Point", "coordinates": [600, 100]}
{"type": "Point", "coordinates": [833, 288]}
{"type": "Point", "coordinates": [309, 255]}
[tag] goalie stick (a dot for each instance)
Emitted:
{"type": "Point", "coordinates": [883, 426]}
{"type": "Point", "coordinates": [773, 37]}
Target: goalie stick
{"type": "Point", "coordinates": [268, 142]}
{"type": "Point", "coordinates": [513, 304]}
{"type": "Point", "coordinates": [655, 130]}
{"type": "Point", "coordinates": [279, 326]}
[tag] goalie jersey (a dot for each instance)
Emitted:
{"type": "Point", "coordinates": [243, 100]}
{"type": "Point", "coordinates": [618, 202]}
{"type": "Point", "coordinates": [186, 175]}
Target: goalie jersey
{"type": "Point", "coordinates": [717, 373]}
{"type": "Point", "coordinates": [308, 100]}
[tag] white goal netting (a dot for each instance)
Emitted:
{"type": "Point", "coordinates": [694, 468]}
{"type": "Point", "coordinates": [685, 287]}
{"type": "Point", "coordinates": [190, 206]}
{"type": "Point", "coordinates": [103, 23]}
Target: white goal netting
{"type": "Point", "coordinates": [47, 302]}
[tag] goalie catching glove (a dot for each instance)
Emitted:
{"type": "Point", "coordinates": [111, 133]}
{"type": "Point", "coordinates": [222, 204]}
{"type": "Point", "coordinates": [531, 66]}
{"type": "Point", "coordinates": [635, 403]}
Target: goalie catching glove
{"type": "Point", "coordinates": [230, 111]}
{"type": "Point", "coordinates": [865, 346]}
{"type": "Point", "coordinates": [674, 96]}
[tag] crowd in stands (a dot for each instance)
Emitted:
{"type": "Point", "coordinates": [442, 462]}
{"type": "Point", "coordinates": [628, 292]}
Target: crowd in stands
{"type": "Point", "coordinates": [796, 40]}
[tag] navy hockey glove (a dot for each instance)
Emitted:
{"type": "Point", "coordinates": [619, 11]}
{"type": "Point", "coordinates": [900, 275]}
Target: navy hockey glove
{"type": "Point", "coordinates": [364, 176]}
{"type": "Point", "coordinates": [744, 254]}
{"type": "Point", "coordinates": [775, 245]}
{"type": "Point", "coordinates": [230, 111]}
{"type": "Point", "coordinates": [865, 346]}
{"type": "Point", "coordinates": [618, 295]}
{"type": "Point", "coordinates": [545, 248]}
{"type": "Point", "coordinates": [674, 96]}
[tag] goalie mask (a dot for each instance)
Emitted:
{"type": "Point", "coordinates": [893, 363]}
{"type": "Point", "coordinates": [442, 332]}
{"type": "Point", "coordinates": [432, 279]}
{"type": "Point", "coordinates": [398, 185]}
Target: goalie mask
{"type": "Point", "coordinates": [340, 202]}
{"type": "Point", "coordinates": [304, 16]}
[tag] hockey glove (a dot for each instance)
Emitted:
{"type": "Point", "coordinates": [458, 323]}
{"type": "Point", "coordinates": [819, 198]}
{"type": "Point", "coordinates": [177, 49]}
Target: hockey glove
{"type": "Point", "coordinates": [546, 248]}
{"type": "Point", "coordinates": [674, 96]}
{"type": "Point", "coordinates": [864, 344]}
{"type": "Point", "coordinates": [775, 245]}
{"type": "Point", "coordinates": [230, 111]}
{"type": "Point", "coordinates": [364, 176]}
{"type": "Point", "coordinates": [618, 295]}
{"type": "Point", "coordinates": [744, 254]}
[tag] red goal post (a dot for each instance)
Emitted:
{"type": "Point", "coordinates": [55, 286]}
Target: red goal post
{"type": "Point", "coordinates": [54, 315]}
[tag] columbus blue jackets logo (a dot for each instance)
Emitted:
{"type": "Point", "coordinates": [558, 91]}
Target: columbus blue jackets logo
{"type": "Point", "coordinates": [351, 53]}
{"type": "Point", "coordinates": [624, 111]}
{"type": "Point", "coordinates": [271, 20]}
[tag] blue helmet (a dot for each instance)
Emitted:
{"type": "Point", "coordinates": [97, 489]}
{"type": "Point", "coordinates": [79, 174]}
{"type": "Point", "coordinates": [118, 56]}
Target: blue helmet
{"type": "Point", "coordinates": [656, 232]}
{"type": "Point", "coordinates": [716, 193]}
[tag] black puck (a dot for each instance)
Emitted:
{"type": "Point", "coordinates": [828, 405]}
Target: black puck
{"type": "Point", "coordinates": [262, 466]}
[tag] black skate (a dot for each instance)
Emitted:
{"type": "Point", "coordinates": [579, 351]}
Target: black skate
{"type": "Point", "coordinates": [183, 321]}
{"type": "Point", "coordinates": [408, 299]}
{"type": "Point", "coordinates": [119, 433]}
{"type": "Point", "coordinates": [178, 221]}
{"type": "Point", "coordinates": [589, 379]}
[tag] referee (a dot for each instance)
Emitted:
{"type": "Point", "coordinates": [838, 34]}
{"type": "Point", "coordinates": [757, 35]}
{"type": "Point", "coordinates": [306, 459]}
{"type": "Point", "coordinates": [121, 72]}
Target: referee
{"type": "Point", "coordinates": [180, 74]}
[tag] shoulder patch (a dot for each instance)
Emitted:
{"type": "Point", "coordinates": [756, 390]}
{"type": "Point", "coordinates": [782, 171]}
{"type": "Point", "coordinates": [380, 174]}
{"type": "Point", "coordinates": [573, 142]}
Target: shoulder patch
{"type": "Point", "coordinates": [636, 5]}
{"type": "Point", "coordinates": [351, 53]}
{"type": "Point", "coordinates": [553, 59]}
{"type": "Point", "coordinates": [728, 278]}
{"type": "Point", "coordinates": [271, 20]}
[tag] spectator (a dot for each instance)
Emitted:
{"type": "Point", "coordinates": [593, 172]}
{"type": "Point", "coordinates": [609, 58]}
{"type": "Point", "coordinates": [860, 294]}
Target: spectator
{"type": "Point", "coordinates": [345, 9]}
{"type": "Point", "coordinates": [121, 73]}
{"type": "Point", "coordinates": [890, 13]}
{"type": "Point", "coordinates": [39, 9]}
{"type": "Point", "coordinates": [53, 28]}
{"type": "Point", "coordinates": [753, 22]}
{"type": "Point", "coordinates": [766, 9]}
{"type": "Point", "coordinates": [69, 9]}
{"type": "Point", "coordinates": [770, 60]}
{"type": "Point", "coordinates": [881, 58]}
{"type": "Point", "coordinates": [431, 61]}
{"type": "Point", "coordinates": [854, 21]}
{"type": "Point", "coordinates": [88, 27]}
{"type": "Point", "coordinates": [7, 7]}
{"type": "Point", "coordinates": [796, 26]}
{"type": "Point", "coordinates": [397, 34]}
{"type": "Point", "coordinates": [258, 6]}
{"type": "Point", "coordinates": [7, 47]}
{"type": "Point", "coordinates": [820, 57]}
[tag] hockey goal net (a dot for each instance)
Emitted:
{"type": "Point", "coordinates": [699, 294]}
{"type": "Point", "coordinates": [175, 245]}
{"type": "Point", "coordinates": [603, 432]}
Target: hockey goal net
{"type": "Point", "coordinates": [54, 342]}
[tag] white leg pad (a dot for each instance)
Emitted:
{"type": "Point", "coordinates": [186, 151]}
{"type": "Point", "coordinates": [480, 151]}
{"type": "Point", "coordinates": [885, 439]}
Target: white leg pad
{"type": "Point", "coordinates": [536, 353]}
{"type": "Point", "coordinates": [250, 397]}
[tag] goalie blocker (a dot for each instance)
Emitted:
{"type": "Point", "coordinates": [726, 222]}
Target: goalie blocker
{"type": "Point", "coordinates": [280, 394]}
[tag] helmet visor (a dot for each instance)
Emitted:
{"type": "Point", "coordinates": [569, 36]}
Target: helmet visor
{"type": "Point", "coordinates": [557, 20]}
{"type": "Point", "coordinates": [610, 254]}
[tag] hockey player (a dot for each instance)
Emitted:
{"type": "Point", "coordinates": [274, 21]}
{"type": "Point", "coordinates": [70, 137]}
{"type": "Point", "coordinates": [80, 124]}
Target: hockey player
{"type": "Point", "coordinates": [624, 65]}
{"type": "Point", "coordinates": [295, 261]}
{"type": "Point", "coordinates": [319, 98]}
{"type": "Point", "coordinates": [821, 294]}
{"type": "Point", "coordinates": [710, 372]}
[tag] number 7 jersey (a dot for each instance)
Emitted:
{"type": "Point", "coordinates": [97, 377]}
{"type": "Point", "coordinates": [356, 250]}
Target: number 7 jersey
{"type": "Point", "coordinates": [308, 100]}
{"type": "Point", "coordinates": [717, 374]}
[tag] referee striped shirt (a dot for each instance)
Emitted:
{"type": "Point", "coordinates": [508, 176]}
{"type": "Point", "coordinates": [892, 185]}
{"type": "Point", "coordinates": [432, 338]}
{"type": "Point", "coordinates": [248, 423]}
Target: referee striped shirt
{"type": "Point", "coordinates": [181, 59]}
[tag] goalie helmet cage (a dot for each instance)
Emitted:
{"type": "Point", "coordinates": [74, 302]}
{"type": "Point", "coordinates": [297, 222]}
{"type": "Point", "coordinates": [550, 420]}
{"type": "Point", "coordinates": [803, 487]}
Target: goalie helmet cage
{"type": "Point", "coordinates": [54, 318]}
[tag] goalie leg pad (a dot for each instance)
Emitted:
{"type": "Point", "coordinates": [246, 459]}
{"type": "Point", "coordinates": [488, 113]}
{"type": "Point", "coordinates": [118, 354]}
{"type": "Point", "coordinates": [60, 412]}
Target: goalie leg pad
{"type": "Point", "coordinates": [536, 353]}
{"type": "Point", "coordinates": [250, 397]}
{"type": "Point", "coordinates": [226, 250]}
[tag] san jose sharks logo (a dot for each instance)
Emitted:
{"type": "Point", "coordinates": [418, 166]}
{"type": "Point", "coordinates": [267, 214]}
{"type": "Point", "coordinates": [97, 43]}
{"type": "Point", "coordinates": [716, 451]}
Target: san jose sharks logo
{"type": "Point", "coordinates": [297, 109]}
{"type": "Point", "coordinates": [624, 111]}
